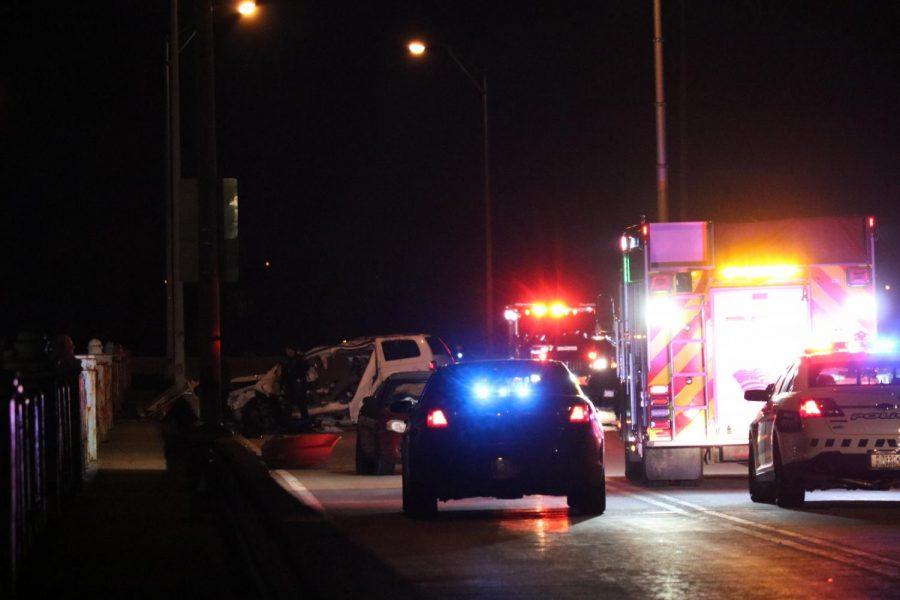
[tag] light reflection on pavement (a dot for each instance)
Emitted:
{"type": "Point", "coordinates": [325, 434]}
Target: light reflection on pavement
{"type": "Point", "coordinates": [707, 541]}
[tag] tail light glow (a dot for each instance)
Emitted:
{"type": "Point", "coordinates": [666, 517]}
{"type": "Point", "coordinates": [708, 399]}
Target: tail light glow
{"type": "Point", "coordinates": [816, 408]}
{"type": "Point", "coordinates": [579, 414]}
{"type": "Point", "coordinates": [436, 419]}
{"type": "Point", "coordinates": [810, 409]}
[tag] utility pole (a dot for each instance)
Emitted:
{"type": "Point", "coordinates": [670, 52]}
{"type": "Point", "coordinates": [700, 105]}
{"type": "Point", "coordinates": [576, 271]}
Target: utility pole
{"type": "Point", "coordinates": [174, 286]}
{"type": "Point", "coordinates": [662, 168]}
{"type": "Point", "coordinates": [209, 223]}
{"type": "Point", "coordinates": [488, 237]}
{"type": "Point", "coordinates": [682, 143]}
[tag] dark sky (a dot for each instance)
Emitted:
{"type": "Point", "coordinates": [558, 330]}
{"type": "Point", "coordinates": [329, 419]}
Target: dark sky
{"type": "Point", "coordinates": [360, 172]}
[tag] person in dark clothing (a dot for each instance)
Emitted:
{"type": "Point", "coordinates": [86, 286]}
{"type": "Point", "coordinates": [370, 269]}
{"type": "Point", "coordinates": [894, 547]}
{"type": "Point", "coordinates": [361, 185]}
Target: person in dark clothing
{"type": "Point", "coordinates": [293, 379]}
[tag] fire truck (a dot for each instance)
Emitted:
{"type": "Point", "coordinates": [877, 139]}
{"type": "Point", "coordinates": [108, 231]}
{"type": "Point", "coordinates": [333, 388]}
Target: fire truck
{"type": "Point", "coordinates": [709, 310]}
{"type": "Point", "coordinates": [570, 334]}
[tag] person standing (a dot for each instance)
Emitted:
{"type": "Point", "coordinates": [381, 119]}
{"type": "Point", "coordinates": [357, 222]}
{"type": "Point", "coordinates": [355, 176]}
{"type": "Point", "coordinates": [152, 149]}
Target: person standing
{"type": "Point", "coordinates": [293, 379]}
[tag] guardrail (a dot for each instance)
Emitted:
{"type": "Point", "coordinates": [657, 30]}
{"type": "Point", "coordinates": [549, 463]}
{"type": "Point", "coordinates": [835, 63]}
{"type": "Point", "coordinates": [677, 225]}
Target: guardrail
{"type": "Point", "coordinates": [42, 464]}
{"type": "Point", "coordinates": [49, 431]}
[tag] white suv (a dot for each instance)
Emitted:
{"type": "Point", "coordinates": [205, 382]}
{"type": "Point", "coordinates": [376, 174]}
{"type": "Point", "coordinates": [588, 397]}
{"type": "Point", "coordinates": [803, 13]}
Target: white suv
{"type": "Point", "coordinates": [832, 420]}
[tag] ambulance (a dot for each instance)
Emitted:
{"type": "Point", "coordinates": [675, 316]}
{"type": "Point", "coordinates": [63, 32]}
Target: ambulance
{"type": "Point", "coordinates": [708, 311]}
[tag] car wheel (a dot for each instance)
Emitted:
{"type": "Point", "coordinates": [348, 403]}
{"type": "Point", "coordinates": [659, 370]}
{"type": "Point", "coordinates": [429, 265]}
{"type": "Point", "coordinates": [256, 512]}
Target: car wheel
{"type": "Point", "coordinates": [789, 492]}
{"type": "Point", "coordinates": [384, 466]}
{"type": "Point", "coordinates": [589, 498]}
{"type": "Point", "coordinates": [418, 501]}
{"type": "Point", "coordinates": [364, 464]}
{"type": "Point", "coordinates": [760, 491]}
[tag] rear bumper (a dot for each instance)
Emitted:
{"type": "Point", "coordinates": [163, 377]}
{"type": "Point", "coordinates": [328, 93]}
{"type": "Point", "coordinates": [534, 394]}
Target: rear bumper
{"type": "Point", "coordinates": [509, 471]}
{"type": "Point", "coordinates": [835, 469]}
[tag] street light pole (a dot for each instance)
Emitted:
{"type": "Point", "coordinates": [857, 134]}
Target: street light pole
{"type": "Point", "coordinates": [209, 223]}
{"type": "Point", "coordinates": [174, 287]}
{"type": "Point", "coordinates": [417, 48]}
{"type": "Point", "coordinates": [662, 167]}
{"type": "Point", "coordinates": [488, 237]}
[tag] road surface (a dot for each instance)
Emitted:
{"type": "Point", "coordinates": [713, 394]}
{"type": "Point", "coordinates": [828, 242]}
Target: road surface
{"type": "Point", "coordinates": [707, 541]}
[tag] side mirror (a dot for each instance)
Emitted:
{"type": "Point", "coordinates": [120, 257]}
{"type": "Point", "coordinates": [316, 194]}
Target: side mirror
{"type": "Point", "coordinates": [757, 395]}
{"type": "Point", "coordinates": [404, 406]}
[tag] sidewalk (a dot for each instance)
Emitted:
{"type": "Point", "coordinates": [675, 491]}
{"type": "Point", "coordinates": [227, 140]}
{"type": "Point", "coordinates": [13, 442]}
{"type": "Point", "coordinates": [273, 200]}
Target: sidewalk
{"type": "Point", "coordinates": [136, 530]}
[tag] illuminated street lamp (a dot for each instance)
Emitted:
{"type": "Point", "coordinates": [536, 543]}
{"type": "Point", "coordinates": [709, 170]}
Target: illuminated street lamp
{"type": "Point", "coordinates": [417, 49]}
{"type": "Point", "coordinates": [247, 8]}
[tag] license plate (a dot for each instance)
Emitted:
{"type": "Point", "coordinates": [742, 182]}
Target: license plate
{"type": "Point", "coordinates": [609, 393]}
{"type": "Point", "coordinates": [884, 461]}
{"type": "Point", "coordinates": [503, 468]}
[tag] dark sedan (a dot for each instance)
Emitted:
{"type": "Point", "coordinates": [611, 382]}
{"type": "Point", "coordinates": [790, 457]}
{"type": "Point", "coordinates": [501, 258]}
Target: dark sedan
{"type": "Point", "coordinates": [382, 421]}
{"type": "Point", "coordinates": [506, 429]}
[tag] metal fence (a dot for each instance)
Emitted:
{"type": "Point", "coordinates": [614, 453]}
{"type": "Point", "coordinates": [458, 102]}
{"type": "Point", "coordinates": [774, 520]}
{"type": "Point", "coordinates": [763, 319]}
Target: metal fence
{"type": "Point", "coordinates": [41, 455]}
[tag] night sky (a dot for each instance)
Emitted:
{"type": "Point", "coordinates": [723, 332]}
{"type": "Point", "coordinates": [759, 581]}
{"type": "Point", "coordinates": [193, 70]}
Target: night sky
{"type": "Point", "coordinates": [360, 169]}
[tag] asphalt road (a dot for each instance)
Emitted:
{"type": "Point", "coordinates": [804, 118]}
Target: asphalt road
{"type": "Point", "coordinates": [707, 541]}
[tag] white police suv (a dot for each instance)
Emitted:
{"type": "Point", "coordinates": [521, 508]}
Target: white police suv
{"type": "Point", "coordinates": [832, 420]}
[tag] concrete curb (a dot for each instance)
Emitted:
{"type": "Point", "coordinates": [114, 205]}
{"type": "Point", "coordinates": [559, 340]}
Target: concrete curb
{"type": "Point", "coordinates": [293, 549]}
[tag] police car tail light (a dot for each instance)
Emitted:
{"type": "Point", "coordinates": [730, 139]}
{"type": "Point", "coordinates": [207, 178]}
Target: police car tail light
{"type": "Point", "coordinates": [809, 408]}
{"type": "Point", "coordinates": [579, 413]}
{"type": "Point", "coordinates": [436, 419]}
{"type": "Point", "coordinates": [812, 408]}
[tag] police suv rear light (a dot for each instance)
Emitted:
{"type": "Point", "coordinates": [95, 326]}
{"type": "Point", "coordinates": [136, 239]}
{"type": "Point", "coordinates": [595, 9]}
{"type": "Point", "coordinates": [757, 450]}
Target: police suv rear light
{"type": "Point", "coordinates": [659, 390]}
{"type": "Point", "coordinates": [812, 408]}
{"type": "Point", "coordinates": [436, 419]}
{"type": "Point", "coordinates": [578, 413]}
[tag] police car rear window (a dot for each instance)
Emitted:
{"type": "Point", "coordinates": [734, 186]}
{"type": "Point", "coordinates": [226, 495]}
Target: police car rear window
{"type": "Point", "coordinates": [499, 380]}
{"type": "Point", "coordinates": [847, 373]}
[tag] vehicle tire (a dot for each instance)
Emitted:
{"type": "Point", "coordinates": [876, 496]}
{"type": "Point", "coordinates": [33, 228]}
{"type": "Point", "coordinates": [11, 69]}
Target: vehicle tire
{"type": "Point", "coordinates": [789, 493]}
{"type": "Point", "coordinates": [760, 491]}
{"type": "Point", "coordinates": [383, 466]}
{"type": "Point", "coordinates": [589, 498]}
{"type": "Point", "coordinates": [418, 500]}
{"type": "Point", "coordinates": [364, 464]}
{"type": "Point", "coordinates": [634, 470]}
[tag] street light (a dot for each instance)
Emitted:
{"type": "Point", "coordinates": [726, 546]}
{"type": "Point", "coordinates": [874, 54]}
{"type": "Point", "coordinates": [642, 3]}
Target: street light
{"type": "Point", "coordinates": [247, 8]}
{"type": "Point", "coordinates": [417, 49]}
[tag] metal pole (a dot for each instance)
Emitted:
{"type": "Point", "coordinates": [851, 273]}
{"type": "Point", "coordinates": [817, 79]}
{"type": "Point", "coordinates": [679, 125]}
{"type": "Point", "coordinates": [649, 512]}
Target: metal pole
{"type": "Point", "coordinates": [170, 279]}
{"type": "Point", "coordinates": [488, 237]}
{"type": "Point", "coordinates": [682, 144]}
{"type": "Point", "coordinates": [176, 326]}
{"type": "Point", "coordinates": [662, 169]}
{"type": "Point", "coordinates": [207, 178]}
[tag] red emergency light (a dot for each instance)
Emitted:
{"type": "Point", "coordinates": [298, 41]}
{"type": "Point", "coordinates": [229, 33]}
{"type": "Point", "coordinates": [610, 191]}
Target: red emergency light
{"type": "Point", "coordinates": [661, 283]}
{"type": "Point", "coordinates": [859, 276]}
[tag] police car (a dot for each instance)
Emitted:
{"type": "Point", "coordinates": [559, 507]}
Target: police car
{"type": "Point", "coordinates": [832, 420]}
{"type": "Point", "coordinates": [503, 428]}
